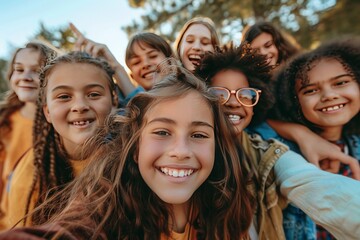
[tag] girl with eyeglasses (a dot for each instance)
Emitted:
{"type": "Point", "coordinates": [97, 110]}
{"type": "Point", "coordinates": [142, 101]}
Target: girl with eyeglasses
{"type": "Point", "coordinates": [236, 76]}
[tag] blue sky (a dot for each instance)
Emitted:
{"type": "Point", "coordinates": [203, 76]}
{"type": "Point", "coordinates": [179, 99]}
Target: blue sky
{"type": "Point", "coordinates": [99, 20]}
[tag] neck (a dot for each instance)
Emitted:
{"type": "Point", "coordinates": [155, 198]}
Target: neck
{"type": "Point", "coordinates": [28, 110]}
{"type": "Point", "coordinates": [332, 133]}
{"type": "Point", "coordinates": [181, 217]}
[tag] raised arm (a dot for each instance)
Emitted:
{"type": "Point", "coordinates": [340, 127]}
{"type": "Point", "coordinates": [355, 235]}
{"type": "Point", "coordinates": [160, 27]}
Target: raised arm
{"type": "Point", "coordinates": [314, 148]}
{"type": "Point", "coordinates": [331, 200]}
{"type": "Point", "coordinates": [101, 50]}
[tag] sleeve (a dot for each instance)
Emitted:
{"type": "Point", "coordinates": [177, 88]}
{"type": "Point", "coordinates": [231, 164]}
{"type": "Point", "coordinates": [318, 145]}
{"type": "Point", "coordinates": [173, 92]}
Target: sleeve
{"type": "Point", "coordinates": [331, 200]}
{"type": "Point", "coordinates": [124, 100]}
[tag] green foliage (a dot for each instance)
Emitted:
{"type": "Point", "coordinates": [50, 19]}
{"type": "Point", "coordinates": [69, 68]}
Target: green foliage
{"type": "Point", "coordinates": [3, 82]}
{"type": "Point", "coordinates": [61, 37]}
{"type": "Point", "coordinates": [307, 20]}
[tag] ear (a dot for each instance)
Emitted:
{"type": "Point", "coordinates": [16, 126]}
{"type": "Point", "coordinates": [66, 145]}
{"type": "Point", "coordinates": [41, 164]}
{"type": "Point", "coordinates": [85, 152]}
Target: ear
{"type": "Point", "coordinates": [46, 113]}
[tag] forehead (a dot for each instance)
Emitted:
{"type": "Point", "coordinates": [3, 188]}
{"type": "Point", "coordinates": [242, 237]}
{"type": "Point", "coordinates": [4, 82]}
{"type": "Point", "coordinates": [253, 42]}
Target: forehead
{"type": "Point", "coordinates": [77, 74]}
{"type": "Point", "coordinates": [198, 29]}
{"type": "Point", "coordinates": [139, 48]}
{"type": "Point", "coordinates": [27, 56]}
{"type": "Point", "coordinates": [191, 107]}
{"type": "Point", "coordinates": [231, 79]}
{"type": "Point", "coordinates": [263, 38]}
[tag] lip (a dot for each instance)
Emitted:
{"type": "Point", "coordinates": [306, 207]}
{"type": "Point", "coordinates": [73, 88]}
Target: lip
{"type": "Point", "coordinates": [148, 74]}
{"type": "Point", "coordinates": [177, 171]}
{"type": "Point", "coordinates": [28, 87]}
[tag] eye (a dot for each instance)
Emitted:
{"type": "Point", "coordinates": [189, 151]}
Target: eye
{"type": "Point", "coordinates": [206, 42]}
{"type": "Point", "coordinates": [199, 135]}
{"type": "Point", "coordinates": [94, 94]}
{"type": "Point", "coordinates": [63, 97]}
{"type": "Point", "coordinates": [342, 82]}
{"type": "Point", "coordinates": [309, 91]}
{"type": "Point", "coordinates": [162, 133]}
{"type": "Point", "coordinates": [18, 70]}
{"type": "Point", "coordinates": [152, 56]}
{"type": "Point", "coordinates": [268, 44]}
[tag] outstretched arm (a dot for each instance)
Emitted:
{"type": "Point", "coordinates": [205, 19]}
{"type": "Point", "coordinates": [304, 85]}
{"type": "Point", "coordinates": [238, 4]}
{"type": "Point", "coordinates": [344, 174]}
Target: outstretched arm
{"type": "Point", "coordinates": [331, 200]}
{"type": "Point", "coordinates": [101, 50]}
{"type": "Point", "coordinates": [315, 149]}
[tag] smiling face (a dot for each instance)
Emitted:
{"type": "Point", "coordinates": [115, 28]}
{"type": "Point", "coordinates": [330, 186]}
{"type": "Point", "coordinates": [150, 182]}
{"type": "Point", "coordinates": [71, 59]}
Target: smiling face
{"type": "Point", "coordinates": [25, 77]}
{"type": "Point", "coordinates": [195, 42]}
{"type": "Point", "coordinates": [177, 147]}
{"type": "Point", "coordinates": [78, 99]}
{"type": "Point", "coordinates": [238, 115]}
{"type": "Point", "coordinates": [332, 96]}
{"type": "Point", "coordinates": [266, 46]}
{"type": "Point", "coordinates": [143, 64]}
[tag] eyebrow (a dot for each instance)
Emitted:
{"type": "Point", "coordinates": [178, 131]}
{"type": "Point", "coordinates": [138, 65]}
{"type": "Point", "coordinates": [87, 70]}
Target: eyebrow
{"type": "Point", "coordinates": [170, 121]}
{"type": "Point", "coordinates": [86, 87]}
{"type": "Point", "coordinates": [331, 79]}
{"type": "Point", "coordinates": [19, 63]}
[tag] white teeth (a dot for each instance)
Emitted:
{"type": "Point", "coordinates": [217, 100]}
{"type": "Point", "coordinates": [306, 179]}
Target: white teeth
{"type": "Point", "coordinates": [176, 172]}
{"type": "Point", "coordinates": [81, 123]}
{"type": "Point", "coordinates": [195, 56]}
{"type": "Point", "coordinates": [150, 74]}
{"type": "Point", "coordinates": [332, 108]}
{"type": "Point", "coordinates": [234, 117]}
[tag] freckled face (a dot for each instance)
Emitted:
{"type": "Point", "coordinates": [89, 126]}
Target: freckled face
{"type": "Point", "coordinates": [177, 147]}
{"type": "Point", "coordinates": [332, 96]}
{"type": "Point", "coordinates": [266, 46]}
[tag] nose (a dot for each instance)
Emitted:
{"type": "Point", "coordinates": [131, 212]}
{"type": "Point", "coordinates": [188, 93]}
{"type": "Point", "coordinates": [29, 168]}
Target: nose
{"type": "Point", "coordinates": [28, 75]}
{"type": "Point", "coordinates": [147, 63]}
{"type": "Point", "coordinates": [181, 149]}
{"type": "Point", "coordinates": [80, 105]}
{"type": "Point", "coordinates": [233, 102]}
{"type": "Point", "coordinates": [329, 94]}
{"type": "Point", "coordinates": [196, 45]}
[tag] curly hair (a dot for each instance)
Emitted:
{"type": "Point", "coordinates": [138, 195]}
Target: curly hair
{"type": "Point", "coordinates": [287, 108]}
{"type": "Point", "coordinates": [51, 163]}
{"type": "Point", "coordinates": [285, 44]}
{"type": "Point", "coordinates": [11, 102]}
{"type": "Point", "coordinates": [110, 200]}
{"type": "Point", "coordinates": [246, 60]}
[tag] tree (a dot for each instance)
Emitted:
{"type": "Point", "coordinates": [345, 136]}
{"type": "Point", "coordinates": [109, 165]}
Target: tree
{"type": "Point", "coordinates": [298, 17]}
{"type": "Point", "coordinates": [60, 37]}
{"type": "Point", "coordinates": [3, 82]}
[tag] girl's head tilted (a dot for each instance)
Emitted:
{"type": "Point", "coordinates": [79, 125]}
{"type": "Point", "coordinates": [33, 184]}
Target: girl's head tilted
{"type": "Point", "coordinates": [240, 77]}
{"type": "Point", "coordinates": [172, 149]}
{"type": "Point", "coordinates": [77, 94]}
{"type": "Point", "coordinates": [271, 42]}
{"type": "Point", "coordinates": [143, 53]}
{"type": "Point", "coordinates": [321, 88]}
{"type": "Point", "coordinates": [24, 69]}
{"type": "Point", "coordinates": [196, 37]}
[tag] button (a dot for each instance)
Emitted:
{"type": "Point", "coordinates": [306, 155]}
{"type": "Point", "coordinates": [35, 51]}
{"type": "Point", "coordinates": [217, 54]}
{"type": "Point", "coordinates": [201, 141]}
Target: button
{"type": "Point", "coordinates": [277, 151]}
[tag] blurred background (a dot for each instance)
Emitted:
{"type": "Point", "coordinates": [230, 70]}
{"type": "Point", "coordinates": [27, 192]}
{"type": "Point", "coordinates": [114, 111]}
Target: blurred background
{"type": "Point", "coordinates": [112, 21]}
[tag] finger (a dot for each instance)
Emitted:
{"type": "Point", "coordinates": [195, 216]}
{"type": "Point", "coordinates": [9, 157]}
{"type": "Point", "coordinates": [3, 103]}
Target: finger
{"type": "Point", "coordinates": [89, 48]}
{"type": "Point", "coordinates": [76, 31]}
{"type": "Point", "coordinates": [353, 164]}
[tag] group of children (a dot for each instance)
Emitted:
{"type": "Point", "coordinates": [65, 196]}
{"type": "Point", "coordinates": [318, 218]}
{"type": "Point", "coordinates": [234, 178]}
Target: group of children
{"type": "Point", "coordinates": [184, 157]}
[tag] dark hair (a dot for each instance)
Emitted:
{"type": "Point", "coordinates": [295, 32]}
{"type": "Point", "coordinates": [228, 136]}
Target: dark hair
{"type": "Point", "coordinates": [346, 51]}
{"type": "Point", "coordinates": [246, 60]}
{"type": "Point", "coordinates": [285, 44]}
{"type": "Point", "coordinates": [51, 162]}
{"type": "Point", "coordinates": [11, 102]}
{"type": "Point", "coordinates": [148, 39]}
{"type": "Point", "coordinates": [110, 200]}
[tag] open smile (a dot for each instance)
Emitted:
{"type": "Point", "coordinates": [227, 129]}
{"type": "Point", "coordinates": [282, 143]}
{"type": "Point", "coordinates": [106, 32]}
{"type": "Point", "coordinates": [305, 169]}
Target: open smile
{"type": "Point", "coordinates": [332, 108]}
{"type": "Point", "coordinates": [178, 173]}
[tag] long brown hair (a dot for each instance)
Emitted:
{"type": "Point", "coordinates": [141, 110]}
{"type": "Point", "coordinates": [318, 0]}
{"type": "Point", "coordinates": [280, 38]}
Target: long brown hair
{"type": "Point", "coordinates": [11, 102]}
{"type": "Point", "coordinates": [207, 22]}
{"type": "Point", "coordinates": [51, 163]}
{"type": "Point", "coordinates": [110, 200]}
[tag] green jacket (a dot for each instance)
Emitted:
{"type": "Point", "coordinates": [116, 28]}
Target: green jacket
{"type": "Point", "coordinates": [268, 212]}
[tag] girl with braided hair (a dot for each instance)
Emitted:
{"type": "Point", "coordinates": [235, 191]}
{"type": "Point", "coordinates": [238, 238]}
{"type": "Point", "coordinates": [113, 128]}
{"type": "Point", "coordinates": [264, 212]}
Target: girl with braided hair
{"type": "Point", "coordinates": [76, 95]}
{"type": "Point", "coordinates": [17, 110]}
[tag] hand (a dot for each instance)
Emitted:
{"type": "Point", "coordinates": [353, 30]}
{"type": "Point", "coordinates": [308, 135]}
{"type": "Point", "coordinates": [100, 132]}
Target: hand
{"type": "Point", "coordinates": [328, 152]}
{"type": "Point", "coordinates": [93, 48]}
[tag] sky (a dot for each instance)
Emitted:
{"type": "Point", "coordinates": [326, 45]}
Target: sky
{"type": "Point", "coordinates": [99, 20]}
